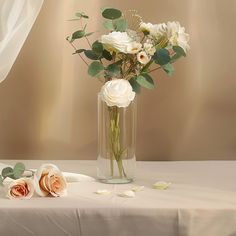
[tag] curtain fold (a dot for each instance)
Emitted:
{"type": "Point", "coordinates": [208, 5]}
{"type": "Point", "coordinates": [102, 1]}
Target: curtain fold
{"type": "Point", "coordinates": [16, 20]}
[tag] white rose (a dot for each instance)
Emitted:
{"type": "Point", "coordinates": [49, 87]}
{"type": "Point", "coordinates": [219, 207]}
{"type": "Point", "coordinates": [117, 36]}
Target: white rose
{"type": "Point", "coordinates": [177, 36]}
{"type": "Point", "coordinates": [116, 41]}
{"type": "Point", "coordinates": [149, 48]}
{"type": "Point", "coordinates": [22, 188]}
{"type": "Point", "coordinates": [134, 48]}
{"type": "Point", "coordinates": [158, 30]}
{"type": "Point", "coordinates": [145, 27]}
{"type": "Point", "coordinates": [143, 58]}
{"type": "Point", "coordinates": [49, 181]}
{"type": "Point", "coordinates": [117, 92]}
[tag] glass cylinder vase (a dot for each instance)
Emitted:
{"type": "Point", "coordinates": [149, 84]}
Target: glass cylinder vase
{"type": "Point", "coordinates": [116, 142]}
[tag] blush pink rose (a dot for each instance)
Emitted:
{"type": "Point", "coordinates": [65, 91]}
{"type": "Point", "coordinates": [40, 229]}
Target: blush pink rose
{"type": "Point", "coordinates": [49, 181]}
{"type": "Point", "coordinates": [20, 189]}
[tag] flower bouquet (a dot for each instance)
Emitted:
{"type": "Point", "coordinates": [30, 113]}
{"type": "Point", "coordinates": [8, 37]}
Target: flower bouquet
{"type": "Point", "coordinates": [123, 60]}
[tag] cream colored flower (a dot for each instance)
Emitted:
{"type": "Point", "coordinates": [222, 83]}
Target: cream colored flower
{"type": "Point", "coordinates": [149, 48]}
{"type": "Point", "coordinates": [134, 48]}
{"type": "Point", "coordinates": [49, 181]}
{"type": "Point", "coordinates": [22, 188]}
{"type": "Point", "coordinates": [116, 41]}
{"type": "Point", "coordinates": [145, 27]}
{"type": "Point", "coordinates": [158, 31]}
{"type": "Point", "coordinates": [117, 92]}
{"type": "Point", "coordinates": [143, 58]}
{"type": "Point", "coordinates": [177, 36]}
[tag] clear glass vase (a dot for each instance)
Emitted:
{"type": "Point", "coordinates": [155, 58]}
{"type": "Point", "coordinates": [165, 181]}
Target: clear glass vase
{"type": "Point", "coordinates": [116, 143]}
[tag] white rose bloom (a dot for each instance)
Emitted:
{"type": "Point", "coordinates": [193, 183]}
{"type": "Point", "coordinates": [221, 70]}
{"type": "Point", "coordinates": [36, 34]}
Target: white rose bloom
{"type": "Point", "coordinates": [143, 58]}
{"type": "Point", "coordinates": [146, 26]}
{"type": "Point", "coordinates": [116, 41]}
{"type": "Point", "coordinates": [177, 36]}
{"type": "Point", "coordinates": [158, 30]}
{"type": "Point", "coordinates": [149, 48]}
{"type": "Point", "coordinates": [134, 48]}
{"type": "Point", "coordinates": [117, 92]}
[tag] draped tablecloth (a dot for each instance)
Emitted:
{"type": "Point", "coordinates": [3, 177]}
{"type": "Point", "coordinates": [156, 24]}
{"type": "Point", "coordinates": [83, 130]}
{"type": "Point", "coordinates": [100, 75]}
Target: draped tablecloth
{"type": "Point", "coordinates": [200, 202]}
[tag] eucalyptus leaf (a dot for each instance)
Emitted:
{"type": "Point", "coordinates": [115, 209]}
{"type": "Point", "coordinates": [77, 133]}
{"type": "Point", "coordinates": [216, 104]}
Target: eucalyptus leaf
{"type": "Point", "coordinates": [1, 180]}
{"type": "Point", "coordinates": [111, 13]}
{"type": "Point", "coordinates": [175, 57]}
{"type": "Point", "coordinates": [108, 25]}
{"type": "Point", "coordinates": [178, 50]}
{"type": "Point", "coordinates": [145, 80]}
{"type": "Point", "coordinates": [78, 34]}
{"type": "Point", "coordinates": [18, 170]}
{"type": "Point", "coordinates": [97, 48]}
{"type": "Point", "coordinates": [162, 56]}
{"type": "Point", "coordinates": [168, 68]}
{"type": "Point", "coordinates": [107, 55]}
{"type": "Point", "coordinates": [91, 55]}
{"type": "Point", "coordinates": [81, 15]}
{"type": "Point", "coordinates": [95, 68]}
{"type": "Point", "coordinates": [88, 34]}
{"type": "Point", "coordinates": [113, 70]}
{"type": "Point", "coordinates": [121, 25]}
{"type": "Point", "coordinates": [135, 85]}
{"type": "Point", "coordinates": [79, 51]}
{"type": "Point", "coordinates": [7, 172]}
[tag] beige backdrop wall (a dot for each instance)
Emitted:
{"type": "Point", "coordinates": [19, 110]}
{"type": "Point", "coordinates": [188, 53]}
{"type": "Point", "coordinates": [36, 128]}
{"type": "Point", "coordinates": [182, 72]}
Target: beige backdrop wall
{"type": "Point", "coordinates": [48, 103]}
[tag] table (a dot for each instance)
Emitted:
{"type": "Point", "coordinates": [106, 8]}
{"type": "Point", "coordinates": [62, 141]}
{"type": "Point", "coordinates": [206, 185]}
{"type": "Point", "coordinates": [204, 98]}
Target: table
{"type": "Point", "coordinates": [200, 202]}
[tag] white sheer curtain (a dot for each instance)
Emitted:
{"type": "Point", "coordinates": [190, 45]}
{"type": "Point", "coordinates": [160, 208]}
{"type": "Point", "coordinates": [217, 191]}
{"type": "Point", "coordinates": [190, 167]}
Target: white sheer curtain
{"type": "Point", "coordinates": [16, 19]}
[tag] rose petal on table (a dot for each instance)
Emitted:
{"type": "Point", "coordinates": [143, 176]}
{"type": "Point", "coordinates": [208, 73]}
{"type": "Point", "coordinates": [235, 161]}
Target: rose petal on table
{"type": "Point", "coordinates": [127, 194]}
{"type": "Point", "coordinates": [137, 188]}
{"type": "Point", "coordinates": [103, 192]}
{"type": "Point", "coordinates": [161, 185]}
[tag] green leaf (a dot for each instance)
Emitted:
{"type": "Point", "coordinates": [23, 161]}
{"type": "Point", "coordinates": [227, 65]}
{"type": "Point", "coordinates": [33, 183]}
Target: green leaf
{"type": "Point", "coordinates": [81, 15]}
{"type": "Point", "coordinates": [1, 180]}
{"type": "Point", "coordinates": [78, 34]}
{"type": "Point", "coordinates": [108, 25]}
{"type": "Point", "coordinates": [97, 48]}
{"type": "Point", "coordinates": [145, 80]}
{"type": "Point", "coordinates": [107, 55]}
{"type": "Point", "coordinates": [121, 25]}
{"type": "Point", "coordinates": [136, 86]}
{"type": "Point", "coordinates": [175, 58]}
{"type": "Point", "coordinates": [168, 68]}
{"type": "Point", "coordinates": [91, 55]}
{"type": "Point", "coordinates": [18, 170]}
{"type": "Point", "coordinates": [7, 172]}
{"type": "Point", "coordinates": [79, 51]}
{"type": "Point", "coordinates": [113, 70]}
{"type": "Point", "coordinates": [95, 68]}
{"type": "Point", "coordinates": [162, 56]}
{"type": "Point", "coordinates": [88, 34]}
{"type": "Point", "coordinates": [178, 50]}
{"type": "Point", "coordinates": [111, 13]}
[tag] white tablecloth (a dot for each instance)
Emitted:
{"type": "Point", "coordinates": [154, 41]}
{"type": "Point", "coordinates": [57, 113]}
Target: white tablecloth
{"type": "Point", "coordinates": [200, 202]}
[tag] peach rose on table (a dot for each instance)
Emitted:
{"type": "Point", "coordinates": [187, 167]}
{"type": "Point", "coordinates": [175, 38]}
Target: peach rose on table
{"type": "Point", "coordinates": [22, 188]}
{"type": "Point", "coordinates": [49, 181]}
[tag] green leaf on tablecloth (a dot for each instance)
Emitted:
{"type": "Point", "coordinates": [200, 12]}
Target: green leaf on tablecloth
{"type": "Point", "coordinates": [78, 51]}
{"type": "Point", "coordinates": [145, 80]}
{"type": "Point", "coordinates": [95, 68]}
{"type": "Point", "coordinates": [78, 34]}
{"type": "Point", "coordinates": [7, 172]}
{"type": "Point", "coordinates": [81, 15]}
{"type": "Point", "coordinates": [18, 170]}
{"type": "Point", "coordinates": [111, 13]}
